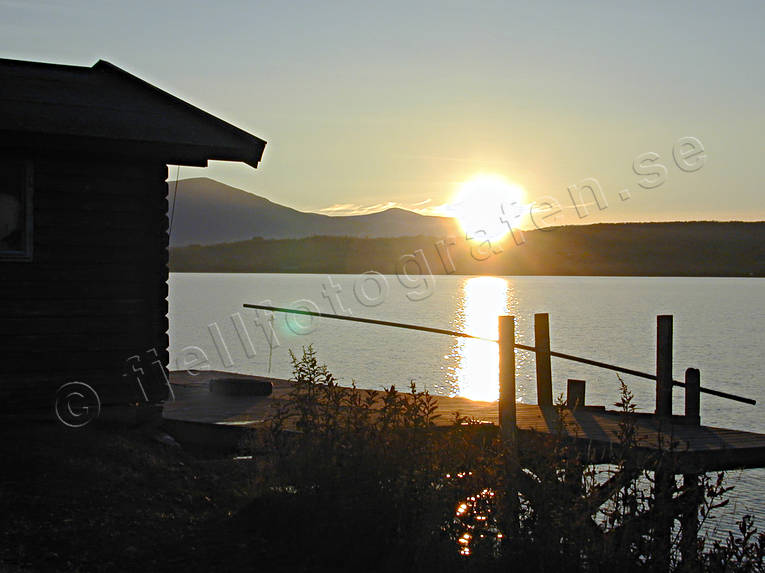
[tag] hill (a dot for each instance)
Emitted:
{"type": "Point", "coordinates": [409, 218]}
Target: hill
{"type": "Point", "coordinates": [208, 212]}
{"type": "Point", "coordinates": [625, 249]}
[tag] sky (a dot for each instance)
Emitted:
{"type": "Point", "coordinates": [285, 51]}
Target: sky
{"type": "Point", "coordinates": [369, 105]}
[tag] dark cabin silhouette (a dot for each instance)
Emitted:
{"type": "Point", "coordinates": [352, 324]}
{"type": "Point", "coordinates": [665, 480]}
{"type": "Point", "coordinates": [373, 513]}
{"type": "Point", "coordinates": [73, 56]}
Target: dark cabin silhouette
{"type": "Point", "coordinates": [84, 226]}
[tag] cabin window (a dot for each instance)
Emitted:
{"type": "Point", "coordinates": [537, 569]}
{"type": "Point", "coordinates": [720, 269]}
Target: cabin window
{"type": "Point", "coordinates": [15, 210]}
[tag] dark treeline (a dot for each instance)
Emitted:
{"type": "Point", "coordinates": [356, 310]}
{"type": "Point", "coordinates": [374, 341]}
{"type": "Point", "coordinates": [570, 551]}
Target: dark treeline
{"type": "Point", "coordinates": [623, 249]}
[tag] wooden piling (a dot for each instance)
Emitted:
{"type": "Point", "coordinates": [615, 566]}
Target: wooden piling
{"type": "Point", "coordinates": [575, 393]}
{"type": "Point", "coordinates": [544, 367]}
{"type": "Point", "coordinates": [664, 365]}
{"type": "Point", "coordinates": [689, 522]}
{"type": "Point", "coordinates": [507, 417]}
{"type": "Point", "coordinates": [693, 396]}
{"type": "Point", "coordinates": [664, 484]}
{"type": "Point", "coordinates": [663, 476]}
{"type": "Point", "coordinates": [509, 502]}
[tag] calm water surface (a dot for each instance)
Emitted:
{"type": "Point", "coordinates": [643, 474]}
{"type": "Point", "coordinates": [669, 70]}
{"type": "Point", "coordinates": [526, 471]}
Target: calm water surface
{"type": "Point", "coordinates": [719, 327]}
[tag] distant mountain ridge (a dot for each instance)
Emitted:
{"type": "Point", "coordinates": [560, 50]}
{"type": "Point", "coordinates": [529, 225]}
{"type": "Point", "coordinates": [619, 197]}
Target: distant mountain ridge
{"type": "Point", "coordinates": [694, 249]}
{"type": "Point", "coordinates": [209, 212]}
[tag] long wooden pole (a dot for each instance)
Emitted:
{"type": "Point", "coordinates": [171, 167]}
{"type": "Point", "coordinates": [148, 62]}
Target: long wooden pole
{"type": "Point", "coordinates": [370, 321]}
{"type": "Point", "coordinates": [562, 355]}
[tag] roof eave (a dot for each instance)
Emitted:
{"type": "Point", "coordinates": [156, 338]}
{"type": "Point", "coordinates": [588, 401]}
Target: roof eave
{"type": "Point", "coordinates": [164, 152]}
{"type": "Point", "coordinates": [251, 158]}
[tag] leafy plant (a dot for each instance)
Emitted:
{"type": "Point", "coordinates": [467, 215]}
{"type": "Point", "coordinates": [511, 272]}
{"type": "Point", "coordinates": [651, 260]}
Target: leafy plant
{"type": "Point", "coordinates": [371, 482]}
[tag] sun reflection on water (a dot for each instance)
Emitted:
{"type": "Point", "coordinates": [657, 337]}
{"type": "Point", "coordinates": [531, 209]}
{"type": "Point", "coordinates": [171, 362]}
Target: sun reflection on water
{"type": "Point", "coordinates": [475, 524]}
{"type": "Point", "coordinates": [477, 371]}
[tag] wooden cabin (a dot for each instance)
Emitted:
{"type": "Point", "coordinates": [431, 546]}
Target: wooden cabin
{"type": "Point", "coordinates": [84, 227]}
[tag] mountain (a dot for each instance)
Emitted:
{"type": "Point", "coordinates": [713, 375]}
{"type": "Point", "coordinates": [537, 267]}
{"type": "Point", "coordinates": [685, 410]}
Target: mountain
{"type": "Point", "coordinates": [722, 249]}
{"type": "Point", "coordinates": [208, 212]}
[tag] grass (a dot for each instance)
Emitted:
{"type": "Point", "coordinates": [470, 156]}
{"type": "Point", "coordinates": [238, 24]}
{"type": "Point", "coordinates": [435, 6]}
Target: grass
{"type": "Point", "coordinates": [369, 484]}
{"type": "Point", "coordinates": [107, 498]}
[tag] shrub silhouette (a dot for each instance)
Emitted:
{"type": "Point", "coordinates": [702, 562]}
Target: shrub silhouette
{"type": "Point", "coordinates": [365, 480]}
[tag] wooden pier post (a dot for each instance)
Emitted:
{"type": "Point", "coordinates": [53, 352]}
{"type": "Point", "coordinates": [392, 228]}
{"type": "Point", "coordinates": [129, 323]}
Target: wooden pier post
{"type": "Point", "coordinates": [575, 393]}
{"type": "Point", "coordinates": [664, 483]}
{"type": "Point", "coordinates": [693, 396]}
{"type": "Point", "coordinates": [544, 367]}
{"type": "Point", "coordinates": [689, 522]}
{"type": "Point", "coordinates": [689, 519]}
{"type": "Point", "coordinates": [508, 429]}
{"type": "Point", "coordinates": [664, 365]}
{"type": "Point", "coordinates": [664, 478]}
{"type": "Point", "coordinates": [507, 417]}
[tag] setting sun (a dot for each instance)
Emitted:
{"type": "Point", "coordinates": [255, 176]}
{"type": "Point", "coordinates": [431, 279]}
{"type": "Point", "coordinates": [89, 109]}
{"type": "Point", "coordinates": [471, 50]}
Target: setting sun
{"type": "Point", "coordinates": [484, 205]}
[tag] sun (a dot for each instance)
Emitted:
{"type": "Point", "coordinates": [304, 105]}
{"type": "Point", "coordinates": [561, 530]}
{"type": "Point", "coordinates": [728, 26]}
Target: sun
{"type": "Point", "coordinates": [486, 205]}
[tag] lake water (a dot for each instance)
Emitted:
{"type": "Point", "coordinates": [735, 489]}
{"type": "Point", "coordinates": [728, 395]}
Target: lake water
{"type": "Point", "coordinates": [719, 327]}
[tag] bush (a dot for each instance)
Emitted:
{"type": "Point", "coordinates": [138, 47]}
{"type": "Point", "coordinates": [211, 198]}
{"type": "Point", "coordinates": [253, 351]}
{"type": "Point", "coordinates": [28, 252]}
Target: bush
{"type": "Point", "coordinates": [365, 480]}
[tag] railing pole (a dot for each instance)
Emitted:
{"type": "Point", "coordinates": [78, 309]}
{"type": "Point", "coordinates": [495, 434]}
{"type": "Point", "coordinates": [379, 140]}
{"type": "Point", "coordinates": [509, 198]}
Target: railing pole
{"type": "Point", "coordinates": [664, 365]}
{"type": "Point", "coordinates": [507, 417]}
{"type": "Point", "coordinates": [544, 367]}
{"type": "Point", "coordinates": [562, 355]}
{"type": "Point", "coordinates": [693, 396]}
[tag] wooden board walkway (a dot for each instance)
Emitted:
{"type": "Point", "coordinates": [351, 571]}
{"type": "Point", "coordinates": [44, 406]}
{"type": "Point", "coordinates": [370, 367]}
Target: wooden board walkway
{"type": "Point", "coordinates": [696, 448]}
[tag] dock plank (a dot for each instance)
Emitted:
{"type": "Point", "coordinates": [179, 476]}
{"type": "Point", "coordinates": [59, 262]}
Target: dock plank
{"type": "Point", "coordinates": [702, 448]}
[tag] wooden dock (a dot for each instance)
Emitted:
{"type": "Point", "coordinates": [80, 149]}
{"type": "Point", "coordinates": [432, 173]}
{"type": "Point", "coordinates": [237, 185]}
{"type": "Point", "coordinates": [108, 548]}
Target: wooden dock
{"type": "Point", "coordinates": [593, 429]}
{"type": "Point", "coordinates": [665, 443]}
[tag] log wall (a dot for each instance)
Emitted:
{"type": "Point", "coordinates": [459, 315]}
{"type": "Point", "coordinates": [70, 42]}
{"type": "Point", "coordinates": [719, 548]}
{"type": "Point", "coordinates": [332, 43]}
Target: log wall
{"type": "Point", "coordinates": [95, 292]}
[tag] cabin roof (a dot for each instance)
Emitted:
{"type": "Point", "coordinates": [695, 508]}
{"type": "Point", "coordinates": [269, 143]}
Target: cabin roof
{"type": "Point", "coordinates": [104, 109]}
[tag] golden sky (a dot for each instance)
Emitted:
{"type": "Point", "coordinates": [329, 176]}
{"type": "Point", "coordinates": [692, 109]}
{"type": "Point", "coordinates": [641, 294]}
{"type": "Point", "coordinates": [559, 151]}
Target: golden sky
{"type": "Point", "coordinates": [366, 106]}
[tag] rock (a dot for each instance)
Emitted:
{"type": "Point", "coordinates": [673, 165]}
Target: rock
{"type": "Point", "coordinates": [166, 439]}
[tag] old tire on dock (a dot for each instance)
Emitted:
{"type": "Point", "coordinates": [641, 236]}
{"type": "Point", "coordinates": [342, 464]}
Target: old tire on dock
{"type": "Point", "coordinates": [241, 386]}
